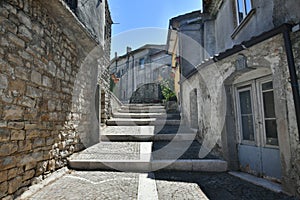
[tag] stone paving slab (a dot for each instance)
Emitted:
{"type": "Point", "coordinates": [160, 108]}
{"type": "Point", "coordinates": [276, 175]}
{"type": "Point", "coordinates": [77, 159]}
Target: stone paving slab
{"type": "Point", "coordinates": [110, 151]}
{"type": "Point", "coordinates": [216, 186]}
{"type": "Point", "coordinates": [128, 130]}
{"type": "Point", "coordinates": [159, 185]}
{"type": "Point", "coordinates": [91, 185]}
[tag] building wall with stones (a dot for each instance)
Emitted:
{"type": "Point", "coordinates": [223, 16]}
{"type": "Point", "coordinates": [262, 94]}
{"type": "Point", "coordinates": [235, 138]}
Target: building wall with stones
{"type": "Point", "coordinates": [48, 73]}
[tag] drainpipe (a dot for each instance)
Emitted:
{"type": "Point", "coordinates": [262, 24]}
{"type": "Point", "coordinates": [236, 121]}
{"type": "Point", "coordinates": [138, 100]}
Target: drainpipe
{"type": "Point", "coordinates": [133, 74]}
{"type": "Point", "coordinates": [293, 73]}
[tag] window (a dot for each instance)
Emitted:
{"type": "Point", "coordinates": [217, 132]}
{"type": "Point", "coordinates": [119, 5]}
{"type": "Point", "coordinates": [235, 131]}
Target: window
{"type": "Point", "coordinates": [269, 113]}
{"type": "Point", "coordinates": [243, 9]}
{"type": "Point", "coordinates": [246, 114]}
{"type": "Point", "coordinates": [142, 63]}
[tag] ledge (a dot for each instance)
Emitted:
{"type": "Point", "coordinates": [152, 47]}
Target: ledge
{"type": "Point", "coordinates": [243, 23]}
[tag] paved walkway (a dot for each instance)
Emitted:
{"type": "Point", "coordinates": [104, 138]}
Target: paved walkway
{"type": "Point", "coordinates": [159, 185]}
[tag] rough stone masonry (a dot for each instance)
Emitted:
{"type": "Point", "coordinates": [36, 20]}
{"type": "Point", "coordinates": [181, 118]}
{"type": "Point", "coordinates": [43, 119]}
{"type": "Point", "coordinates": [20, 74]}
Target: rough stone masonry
{"type": "Point", "coordinates": [41, 123]}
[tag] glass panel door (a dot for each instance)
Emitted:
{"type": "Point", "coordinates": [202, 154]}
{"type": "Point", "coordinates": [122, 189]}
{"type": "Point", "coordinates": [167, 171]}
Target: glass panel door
{"type": "Point", "coordinates": [269, 117]}
{"type": "Point", "coordinates": [246, 114]}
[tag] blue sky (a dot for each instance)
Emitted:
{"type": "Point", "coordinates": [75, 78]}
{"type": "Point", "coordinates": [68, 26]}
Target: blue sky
{"type": "Point", "coordinates": [145, 21]}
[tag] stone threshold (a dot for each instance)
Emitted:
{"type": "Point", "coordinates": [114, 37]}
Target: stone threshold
{"type": "Point", "coordinates": [275, 187]}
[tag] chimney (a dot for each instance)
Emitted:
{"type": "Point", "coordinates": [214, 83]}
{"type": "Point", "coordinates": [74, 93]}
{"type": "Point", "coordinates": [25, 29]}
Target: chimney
{"type": "Point", "coordinates": [128, 50]}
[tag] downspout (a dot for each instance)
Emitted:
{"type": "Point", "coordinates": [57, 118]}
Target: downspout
{"type": "Point", "coordinates": [293, 73]}
{"type": "Point", "coordinates": [133, 74]}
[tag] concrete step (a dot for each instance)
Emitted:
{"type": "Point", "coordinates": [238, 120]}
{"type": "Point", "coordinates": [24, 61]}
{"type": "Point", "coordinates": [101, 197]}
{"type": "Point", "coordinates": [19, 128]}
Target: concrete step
{"type": "Point", "coordinates": [178, 149]}
{"type": "Point", "coordinates": [150, 110]}
{"type": "Point", "coordinates": [144, 105]}
{"type": "Point", "coordinates": [204, 165]}
{"type": "Point", "coordinates": [142, 133]}
{"type": "Point", "coordinates": [146, 138]}
{"type": "Point", "coordinates": [146, 115]}
{"type": "Point", "coordinates": [141, 122]}
{"type": "Point", "coordinates": [137, 157]}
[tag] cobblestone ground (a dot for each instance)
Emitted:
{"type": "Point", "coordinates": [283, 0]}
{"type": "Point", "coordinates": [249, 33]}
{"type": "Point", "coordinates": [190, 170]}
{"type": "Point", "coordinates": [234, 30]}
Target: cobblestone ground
{"type": "Point", "coordinates": [170, 185]}
{"type": "Point", "coordinates": [216, 186]}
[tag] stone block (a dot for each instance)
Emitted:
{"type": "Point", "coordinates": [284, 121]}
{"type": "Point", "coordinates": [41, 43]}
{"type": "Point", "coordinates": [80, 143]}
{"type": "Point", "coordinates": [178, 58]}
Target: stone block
{"type": "Point", "coordinates": [4, 134]}
{"type": "Point", "coordinates": [24, 33]}
{"type": "Point", "coordinates": [47, 82]}
{"type": "Point", "coordinates": [22, 72]}
{"type": "Point", "coordinates": [13, 113]}
{"type": "Point", "coordinates": [33, 92]}
{"type": "Point", "coordinates": [38, 28]}
{"type": "Point", "coordinates": [16, 40]}
{"type": "Point", "coordinates": [25, 55]}
{"type": "Point", "coordinates": [15, 59]}
{"type": "Point", "coordinates": [25, 145]}
{"type": "Point", "coordinates": [31, 126]}
{"type": "Point", "coordinates": [8, 162]}
{"type": "Point", "coordinates": [3, 124]}
{"type": "Point", "coordinates": [38, 142]}
{"type": "Point", "coordinates": [52, 68]}
{"type": "Point", "coordinates": [17, 135]}
{"type": "Point", "coordinates": [14, 184]}
{"type": "Point", "coordinates": [12, 173]}
{"type": "Point", "coordinates": [32, 134]}
{"type": "Point", "coordinates": [3, 176]}
{"type": "Point", "coordinates": [8, 149]}
{"type": "Point", "coordinates": [27, 102]}
{"type": "Point", "coordinates": [3, 82]}
{"type": "Point", "coordinates": [36, 77]}
{"type": "Point", "coordinates": [17, 85]}
{"type": "Point", "coordinates": [28, 174]}
{"type": "Point", "coordinates": [3, 189]}
{"type": "Point", "coordinates": [24, 19]}
{"type": "Point", "coordinates": [16, 125]}
{"type": "Point", "coordinates": [8, 25]}
{"type": "Point", "coordinates": [51, 105]}
{"type": "Point", "coordinates": [31, 165]}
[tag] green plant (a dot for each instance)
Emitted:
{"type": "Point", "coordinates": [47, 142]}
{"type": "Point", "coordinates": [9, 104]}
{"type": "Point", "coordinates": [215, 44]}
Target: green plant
{"type": "Point", "coordinates": [167, 92]}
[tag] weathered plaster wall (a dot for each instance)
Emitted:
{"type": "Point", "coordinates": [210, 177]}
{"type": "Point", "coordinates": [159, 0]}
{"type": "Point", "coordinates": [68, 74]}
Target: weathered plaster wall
{"type": "Point", "coordinates": [217, 123]}
{"type": "Point", "coordinates": [45, 93]}
{"type": "Point", "coordinates": [294, 137]}
{"type": "Point", "coordinates": [93, 17]}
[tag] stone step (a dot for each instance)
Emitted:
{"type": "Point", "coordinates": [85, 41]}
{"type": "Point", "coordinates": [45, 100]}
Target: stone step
{"type": "Point", "coordinates": [178, 149]}
{"type": "Point", "coordinates": [146, 115]}
{"type": "Point", "coordinates": [140, 122]}
{"type": "Point", "coordinates": [204, 165]}
{"type": "Point", "coordinates": [143, 133]}
{"type": "Point", "coordinates": [151, 110]}
{"type": "Point", "coordinates": [146, 138]}
{"type": "Point", "coordinates": [140, 157]}
{"type": "Point", "coordinates": [144, 105]}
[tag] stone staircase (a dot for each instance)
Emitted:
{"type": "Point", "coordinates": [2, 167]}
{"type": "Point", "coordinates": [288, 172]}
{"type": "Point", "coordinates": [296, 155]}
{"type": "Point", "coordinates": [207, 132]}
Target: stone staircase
{"type": "Point", "coordinates": [143, 138]}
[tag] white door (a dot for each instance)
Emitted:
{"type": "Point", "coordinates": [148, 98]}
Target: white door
{"type": "Point", "coordinates": [258, 148]}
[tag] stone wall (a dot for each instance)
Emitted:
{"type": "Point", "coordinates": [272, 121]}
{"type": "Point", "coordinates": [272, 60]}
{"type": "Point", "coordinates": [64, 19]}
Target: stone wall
{"type": "Point", "coordinates": [216, 107]}
{"type": "Point", "coordinates": [46, 110]}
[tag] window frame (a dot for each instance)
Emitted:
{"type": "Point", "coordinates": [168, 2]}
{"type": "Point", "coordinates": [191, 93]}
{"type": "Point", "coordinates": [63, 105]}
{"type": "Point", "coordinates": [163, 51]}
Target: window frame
{"type": "Point", "coordinates": [241, 88]}
{"type": "Point", "coordinates": [245, 12]}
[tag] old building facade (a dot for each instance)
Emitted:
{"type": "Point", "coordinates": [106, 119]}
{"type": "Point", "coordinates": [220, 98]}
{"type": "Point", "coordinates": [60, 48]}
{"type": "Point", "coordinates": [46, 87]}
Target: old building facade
{"type": "Point", "coordinates": [243, 82]}
{"type": "Point", "coordinates": [148, 64]}
{"type": "Point", "coordinates": [52, 56]}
